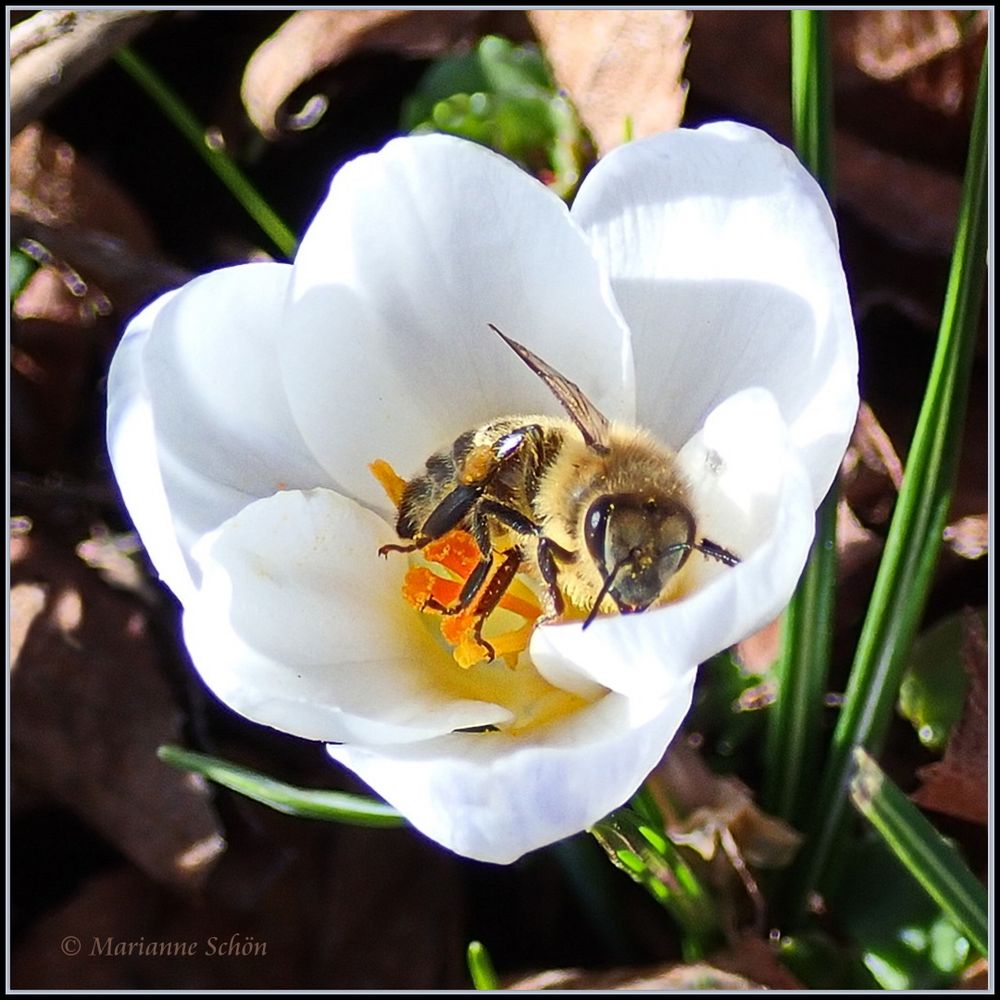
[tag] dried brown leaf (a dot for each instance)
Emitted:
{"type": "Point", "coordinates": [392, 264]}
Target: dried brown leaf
{"type": "Point", "coordinates": [871, 472]}
{"type": "Point", "coordinates": [622, 69]}
{"type": "Point", "coordinates": [976, 976]}
{"type": "Point", "coordinates": [934, 51]}
{"type": "Point", "coordinates": [696, 976]}
{"type": "Point", "coordinates": [110, 555]}
{"type": "Point", "coordinates": [88, 710]}
{"type": "Point", "coordinates": [857, 547]}
{"type": "Point", "coordinates": [699, 803]}
{"type": "Point", "coordinates": [51, 183]}
{"type": "Point", "coordinates": [312, 41]}
{"type": "Point", "coordinates": [757, 653]}
{"type": "Point", "coordinates": [756, 959]}
{"type": "Point", "coordinates": [55, 57]}
{"type": "Point", "coordinates": [716, 817]}
{"type": "Point", "coordinates": [62, 209]}
{"type": "Point", "coordinates": [26, 603]}
{"type": "Point", "coordinates": [958, 785]}
{"type": "Point", "coordinates": [969, 537]}
{"type": "Point", "coordinates": [57, 338]}
{"type": "Point", "coordinates": [870, 446]}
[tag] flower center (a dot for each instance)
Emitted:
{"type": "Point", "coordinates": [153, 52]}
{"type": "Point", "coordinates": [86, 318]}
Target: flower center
{"type": "Point", "coordinates": [479, 628]}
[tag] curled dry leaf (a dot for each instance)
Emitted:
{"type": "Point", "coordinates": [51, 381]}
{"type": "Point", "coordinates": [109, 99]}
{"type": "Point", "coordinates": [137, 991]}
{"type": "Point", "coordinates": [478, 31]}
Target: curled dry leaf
{"type": "Point", "coordinates": [622, 69]}
{"type": "Point", "coordinates": [27, 600]}
{"type": "Point", "coordinates": [88, 710]}
{"type": "Point", "coordinates": [757, 653]}
{"type": "Point", "coordinates": [699, 804]}
{"type": "Point", "coordinates": [958, 785]}
{"type": "Point", "coordinates": [937, 52]}
{"type": "Point", "coordinates": [312, 41]}
{"type": "Point", "coordinates": [871, 472]}
{"type": "Point", "coordinates": [54, 190]}
{"type": "Point", "coordinates": [52, 184]}
{"type": "Point", "coordinates": [110, 555]}
{"type": "Point", "coordinates": [716, 817]}
{"type": "Point", "coordinates": [696, 976]}
{"type": "Point", "coordinates": [55, 55]}
{"type": "Point", "coordinates": [858, 548]}
{"type": "Point", "coordinates": [755, 958]}
{"type": "Point", "coordinates": [90, 240]}
{"type": "Point", "coordinates": [969, 537]}
{"type": "Point", "coordinates": [57, 339]}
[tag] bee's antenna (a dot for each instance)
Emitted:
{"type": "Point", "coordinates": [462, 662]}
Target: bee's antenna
{"type": "Point", "coordinates": [606, 588]}
{"type": "Point", "coordinates": [705, 547]}
{"type": "Point", "coordinates": [717, 552]}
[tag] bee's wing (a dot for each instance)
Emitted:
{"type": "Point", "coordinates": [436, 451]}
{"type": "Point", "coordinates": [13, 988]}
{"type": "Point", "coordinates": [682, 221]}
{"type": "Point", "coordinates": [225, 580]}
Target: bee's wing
{"type": "Point", "coordinates": [593, 425]}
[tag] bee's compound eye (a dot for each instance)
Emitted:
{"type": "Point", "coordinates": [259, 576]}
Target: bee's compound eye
{"type": "Point", "coordinates": [638, 542]}
{"type": "Point", "coordinates": [595, 530]}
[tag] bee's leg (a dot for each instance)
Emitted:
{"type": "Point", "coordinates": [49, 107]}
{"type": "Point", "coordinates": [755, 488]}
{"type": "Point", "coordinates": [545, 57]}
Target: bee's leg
{"type": "Point", "coordinates": [509, 517]}
{"type": "Point", "coordinates": [384, 550]}
{"type": "Point", "coordinates": [492, 594]}
{"type": "Point", "coordinates": [547, 552]}
{"type": "Point", "coordinates": [480, 531]}
{"type": "Point", "coordinates": [448, 514]}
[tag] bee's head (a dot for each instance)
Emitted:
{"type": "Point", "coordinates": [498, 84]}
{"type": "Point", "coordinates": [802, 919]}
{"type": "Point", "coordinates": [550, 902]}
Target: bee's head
{"type": "Point", "coordinates": [638, 541]}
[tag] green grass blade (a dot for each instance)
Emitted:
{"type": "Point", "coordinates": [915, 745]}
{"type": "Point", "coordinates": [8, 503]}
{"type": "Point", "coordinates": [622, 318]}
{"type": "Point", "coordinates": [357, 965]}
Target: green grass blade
{"type": "Point", "coordinates": [812, 94]}
{"type": "Point", "coordinates": [655, 863]}
{"type": "Point", "coordinates": [906, 571]}
{"type": "Point", "coordinates": [929, 858]}
{"type": "Point", "coordinates": [217, 159]}
{"type": "Point", "coordinates": [339, 807]}
{"type": "Point", "coordinates": [795, 730]}
{"type": "Point", "coordinates": [795, 719]}
{"type": "Point", "coordinates": [484, 976]}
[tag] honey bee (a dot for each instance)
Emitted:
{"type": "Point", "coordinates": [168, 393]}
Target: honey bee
{"type": "Point", "coordinates": [597, 512]}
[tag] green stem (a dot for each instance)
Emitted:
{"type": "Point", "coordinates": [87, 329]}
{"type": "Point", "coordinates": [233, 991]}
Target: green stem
{"type": "Point", "coordinates": [649, 858]}
{"type": "Point", "coordinates": [339, 807]}
{"type": "Point", "coordinates": [217, 159]}
{"type": "Point", "coordinates": [795, 720]}
{"type": "Point", "coordinates": [812, 94]}
{"type": "Point", "coordinates": [481, 971]}
{"type": "Point", "coordinates": [929, 858]}
{"type": "Point", "coordinates": [907, 568]}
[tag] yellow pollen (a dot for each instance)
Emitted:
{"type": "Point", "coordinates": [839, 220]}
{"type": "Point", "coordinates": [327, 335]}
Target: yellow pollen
{"type": "Point", "coordinates": [435, 585]}
{"type": "Point", "coordinates": [424, 588]}
{"type": "Point", "coordinates": [388, 479]}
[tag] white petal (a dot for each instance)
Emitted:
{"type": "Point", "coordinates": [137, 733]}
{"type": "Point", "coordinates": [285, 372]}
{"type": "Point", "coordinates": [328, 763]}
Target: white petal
{"type": "Point", "coordinates": [300, 625]}
{"type": "Point", "coordinates": [751, 496]}
{"type": "Point", "coordinates": [724, 260]}
{"type": "Point", "coordinates": [195, 385]}
{"type": "Point", "coordinates": [132, 448]}
{"type": "Point", "coordinates": [494, 796]}
{"type": "Point", "coordinates": [417, 249]}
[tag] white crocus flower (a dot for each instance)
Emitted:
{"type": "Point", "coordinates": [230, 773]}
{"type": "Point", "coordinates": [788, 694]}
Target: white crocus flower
{"type": "Point", "coordinates": [695, 288]}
